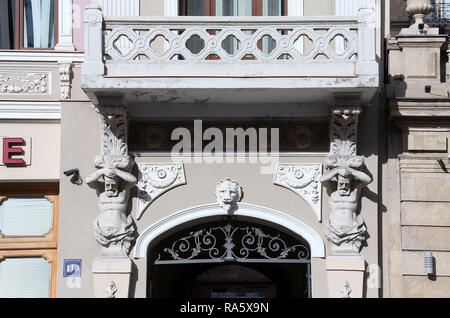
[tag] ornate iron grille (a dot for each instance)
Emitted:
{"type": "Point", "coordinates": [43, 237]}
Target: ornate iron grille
{"type": "Point", "coordinates": [440, 16]}
{"type": "Point", "coordinates": [233, 243]}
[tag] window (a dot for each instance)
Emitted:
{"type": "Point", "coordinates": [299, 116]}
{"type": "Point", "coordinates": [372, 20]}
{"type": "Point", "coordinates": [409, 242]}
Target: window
{"type": "Point", "coordinates": [28, 24]}
{"type": "Point", "coordinates": [28, 239]}
{"type": "Point", "coordinates": [232, 8]}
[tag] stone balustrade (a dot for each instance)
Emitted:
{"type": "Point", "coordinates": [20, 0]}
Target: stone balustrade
{"type": "Point", "coordinates": [340, 49]}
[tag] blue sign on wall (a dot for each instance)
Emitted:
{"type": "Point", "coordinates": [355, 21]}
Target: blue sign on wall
{"type": "Point", "coordinates": [72, 268]}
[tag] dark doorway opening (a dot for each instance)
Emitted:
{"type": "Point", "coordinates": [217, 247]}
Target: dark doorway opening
{"type": "Point", "coordinates": [255, 280]}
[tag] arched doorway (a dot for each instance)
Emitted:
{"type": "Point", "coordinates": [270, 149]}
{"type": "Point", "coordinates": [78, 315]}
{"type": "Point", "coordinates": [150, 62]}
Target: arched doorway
{"type": "Point", "coordinates": [232, 259]}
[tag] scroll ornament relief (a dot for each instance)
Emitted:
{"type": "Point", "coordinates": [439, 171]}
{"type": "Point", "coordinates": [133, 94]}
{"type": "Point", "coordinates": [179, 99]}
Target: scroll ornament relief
{"type": "Point", "coordinates": [113, 228]}
{"type": "Point", "coordinates": [24, 83]}
{"type": "Point", "coordinates": [345, 228]}
{"type": "Point", "coordinates": [155, 179]}
{"type": "Point", "coordinates": [304, 180]}
{"type": "Point", "coordinates": [64, 76]}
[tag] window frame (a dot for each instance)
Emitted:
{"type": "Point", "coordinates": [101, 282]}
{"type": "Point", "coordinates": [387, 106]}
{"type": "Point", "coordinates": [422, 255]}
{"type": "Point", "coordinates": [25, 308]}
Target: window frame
{"type": "Point", "coordinates": [49, 239]}
{"type": "Point", "coordinates": [19, 28]}
{"type": "Point", "coordinates": [33, 246]}
{"type": "Point", "coordinates": [210, 7]}
{"type": "Point", "coordinates": [49, 255]}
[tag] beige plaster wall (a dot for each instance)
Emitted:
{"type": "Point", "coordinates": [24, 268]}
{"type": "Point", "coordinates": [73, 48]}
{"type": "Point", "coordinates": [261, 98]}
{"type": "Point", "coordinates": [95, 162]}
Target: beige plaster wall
{"type": "Point", "coordinates": [78, 204]}
{"type": "Point", "coordinates": [45, 151]}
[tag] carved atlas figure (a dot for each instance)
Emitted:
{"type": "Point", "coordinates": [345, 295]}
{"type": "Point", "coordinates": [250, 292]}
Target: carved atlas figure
{"type": "Point", "coordinates": [113, 228]}
{"type": "Point", "coordinates": [345, 228]}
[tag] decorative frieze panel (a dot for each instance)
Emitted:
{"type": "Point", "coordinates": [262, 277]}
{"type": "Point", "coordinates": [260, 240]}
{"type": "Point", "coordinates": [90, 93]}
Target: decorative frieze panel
{"type": "Point", "coordinates": [304, 180]}
{"type": "Point", "coordinates": [145, 136]}
{"type": "Point", "coordinates": [156, 179]}
{"type": "Point", "coordinates": [31, 83]}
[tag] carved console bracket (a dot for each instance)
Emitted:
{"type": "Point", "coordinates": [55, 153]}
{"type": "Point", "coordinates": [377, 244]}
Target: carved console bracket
{"type": "Point", "coordinates": [156, 179]}
{"type": "Point", "coordinates": [303, 179]}
{"type": "Point", "coordinates": [344, 228]}
{"type": "Point", "coordinates": [65, 79]}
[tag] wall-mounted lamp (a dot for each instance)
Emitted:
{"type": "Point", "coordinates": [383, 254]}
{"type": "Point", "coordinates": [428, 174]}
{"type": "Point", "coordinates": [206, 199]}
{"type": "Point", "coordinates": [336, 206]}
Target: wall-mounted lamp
{"type": "Point", "coordinates": [427, 88]}
{"type": "Point", "coordinates": [75, 173]}
{"type": "Point", "coordinates": [429, 263]}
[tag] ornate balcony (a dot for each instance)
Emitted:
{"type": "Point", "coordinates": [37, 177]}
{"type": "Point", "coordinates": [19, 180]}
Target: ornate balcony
{"type": "Point", "coordinates": [230, 59]}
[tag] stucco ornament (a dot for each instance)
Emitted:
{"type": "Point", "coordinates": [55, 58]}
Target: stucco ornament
{"type": "Point", "coordinates": [344, 227]}
{"type": "Point", "coordinates": [228, 194]}
{"type": "Point", "coordinates": [31, 83]}
{"type": "Point", "coordinates": [418, 9]}
{"type": "Point", "coordinates": [64, 76]}
{"type": "Point", "coordinates": [111, 290]}
{"type": "Point", "coordinates": [156, 179]}
{"type": "Point", "coordinates": [304, 180]}
{"type": "Point", "coordinates": [346, 290]}
{"type": "Point", "coordinates": [114, 229]}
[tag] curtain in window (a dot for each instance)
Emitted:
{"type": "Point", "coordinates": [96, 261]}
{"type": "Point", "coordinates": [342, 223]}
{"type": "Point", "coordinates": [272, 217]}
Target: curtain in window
{"type": "Point", "coordinates": [7, 24]}
{"type": "Point", "coordinates": [25, 216]}
{"type": "Point", "coordinates": [271, 8]}
{"type": "Point", "coordinates": [38, 26]}
{"type": "Point", "coordinates": [194, 7]}
{"type": "Point", "coordinates": [347, 8]}
{"type": "Point", "coordinates": [233, 8]}
{"type": "Point", "coordinates": [24, 277]}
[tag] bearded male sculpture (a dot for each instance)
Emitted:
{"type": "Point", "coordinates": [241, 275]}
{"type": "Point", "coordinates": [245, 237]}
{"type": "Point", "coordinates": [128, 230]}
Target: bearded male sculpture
{"type": "Point", "coordinates": [345, 228]}
{"type": "Point", "coordinates": [113, 228]}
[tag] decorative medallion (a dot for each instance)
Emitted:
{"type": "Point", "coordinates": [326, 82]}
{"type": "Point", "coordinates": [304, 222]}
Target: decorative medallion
{"type": "Point", "coordinates": [303, 179]}
{"type": "Point", "coordinates": [155, 179]}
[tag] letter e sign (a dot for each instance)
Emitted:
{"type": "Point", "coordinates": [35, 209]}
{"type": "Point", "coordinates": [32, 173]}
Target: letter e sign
{"type": "Point", "coordinates": [13, 147]}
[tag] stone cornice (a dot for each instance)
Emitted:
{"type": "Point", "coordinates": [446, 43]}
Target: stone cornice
{"type": "Point", "coordinates": [419, 107]}
{"type": "Point", "coordinates": [423, 163]}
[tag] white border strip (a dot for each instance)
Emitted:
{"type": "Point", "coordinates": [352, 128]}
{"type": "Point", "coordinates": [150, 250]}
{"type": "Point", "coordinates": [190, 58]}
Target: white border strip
{"type": "Point", "coordinates": [30, 110]}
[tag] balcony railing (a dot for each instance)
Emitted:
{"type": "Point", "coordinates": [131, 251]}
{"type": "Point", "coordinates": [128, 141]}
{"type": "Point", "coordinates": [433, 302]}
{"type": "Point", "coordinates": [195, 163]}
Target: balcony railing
{"type": "Point", "coordinates": [229, 47]}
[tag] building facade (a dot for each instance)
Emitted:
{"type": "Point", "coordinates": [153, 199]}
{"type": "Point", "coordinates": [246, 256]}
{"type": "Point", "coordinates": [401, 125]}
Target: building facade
{"type": "Point", "coordinates": [214, 148]}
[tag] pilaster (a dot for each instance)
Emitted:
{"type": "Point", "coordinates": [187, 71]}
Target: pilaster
{"type": "Point", "coordinates": [114, 227]}
{"type": "Point", "coordinates": [345, 228]}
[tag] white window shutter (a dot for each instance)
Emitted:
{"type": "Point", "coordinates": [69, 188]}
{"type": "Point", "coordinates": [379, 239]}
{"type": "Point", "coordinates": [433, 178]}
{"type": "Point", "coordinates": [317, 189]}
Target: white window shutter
{"type": "Point", "coordinates": [24, 277]}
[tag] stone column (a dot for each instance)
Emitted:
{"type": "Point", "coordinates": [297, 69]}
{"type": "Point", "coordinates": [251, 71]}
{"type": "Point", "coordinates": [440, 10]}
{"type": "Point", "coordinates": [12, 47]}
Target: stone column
{"type": "Point", "coordinates": [345, 228]}
{"type": "Point", "coordinates": [65, 38]}
{"type": "Point", "coordinates": [114, 228]}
